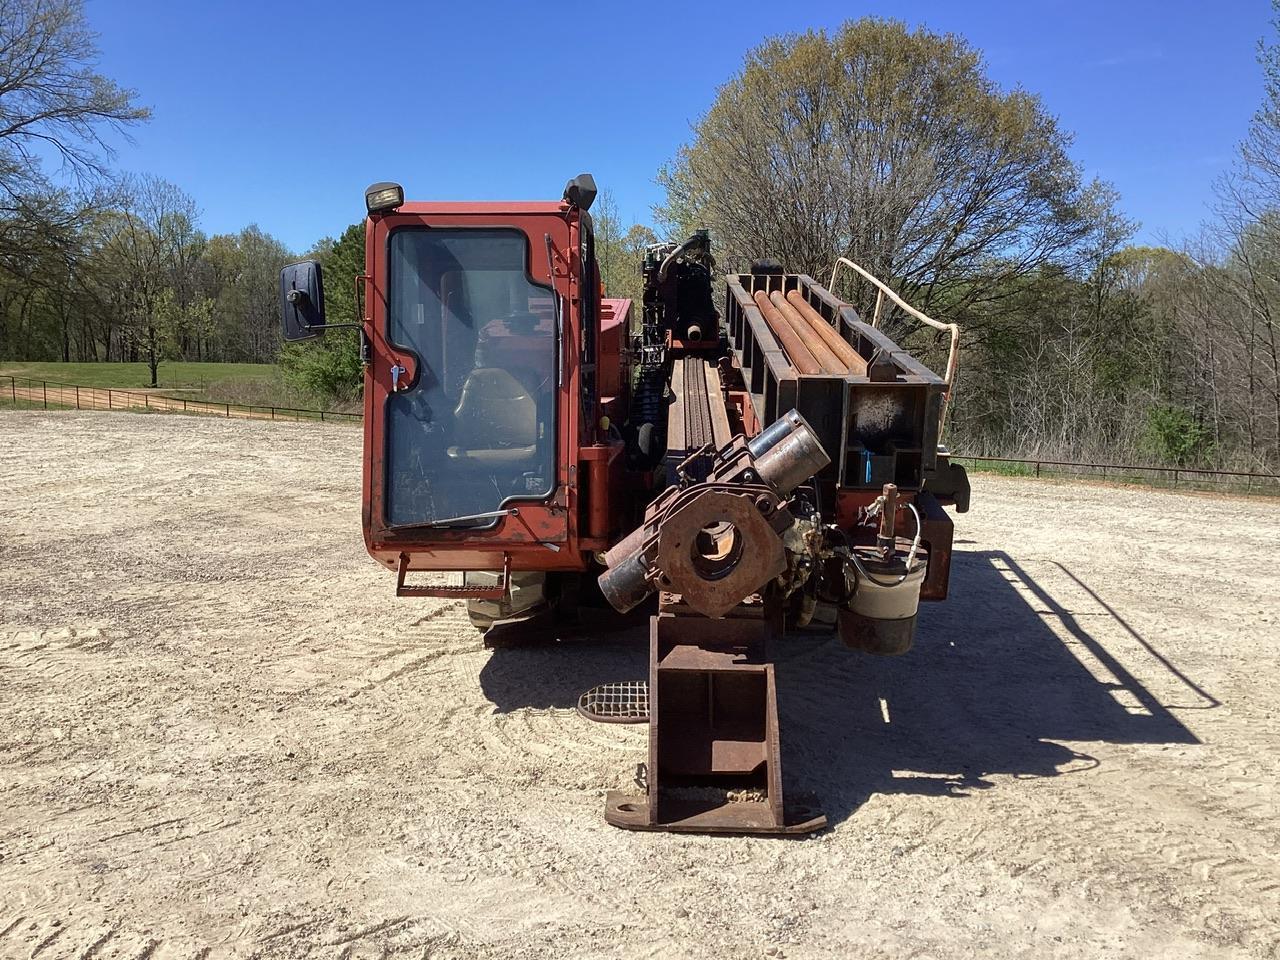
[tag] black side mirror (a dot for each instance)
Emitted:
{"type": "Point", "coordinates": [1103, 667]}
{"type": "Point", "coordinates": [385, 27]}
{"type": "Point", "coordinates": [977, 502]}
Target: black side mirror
{"type": "Point", "coordinates": [581, 191]}
{"type": "Point", "coordinates": [301, 301]}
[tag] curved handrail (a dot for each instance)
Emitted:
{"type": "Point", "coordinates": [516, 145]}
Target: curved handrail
{"type": "Point", "coordinates": [883, 290]}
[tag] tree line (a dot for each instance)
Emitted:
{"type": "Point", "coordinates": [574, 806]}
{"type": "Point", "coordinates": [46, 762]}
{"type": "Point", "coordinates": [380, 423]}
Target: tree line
{"type": "Point", "coordinates": [893, 147]}
{"type": "Point", "coordinates": [96, 264]}
{"type": "Point", "coordinates": [887, 145]}
{"type": "Point", "coordinates": [137, 280]}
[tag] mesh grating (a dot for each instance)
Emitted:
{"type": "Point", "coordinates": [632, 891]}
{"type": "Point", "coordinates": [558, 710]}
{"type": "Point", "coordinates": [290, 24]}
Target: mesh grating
{"type": "Point", "coordinates": [623, 702]}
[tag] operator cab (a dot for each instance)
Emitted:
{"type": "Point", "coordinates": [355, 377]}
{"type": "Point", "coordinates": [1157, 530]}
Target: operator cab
{"type": "Point", "coordinates": [478, 335]}
{"type": "Point", "coordinates": [476, 428]}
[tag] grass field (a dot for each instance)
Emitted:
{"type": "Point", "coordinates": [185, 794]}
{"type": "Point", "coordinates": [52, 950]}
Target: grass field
{"type": "Point", "coordinates": [175, 375]}
{"type": "Point", "coordinates": [1005, 468]}
{"type": "Point", "coordinates": [249, 383]}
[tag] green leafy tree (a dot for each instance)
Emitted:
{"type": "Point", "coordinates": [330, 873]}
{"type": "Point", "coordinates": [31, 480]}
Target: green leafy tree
{"type": "Point", "coordinates": [889, 146]}
{"type": "Point", "coordinates": [1174, 435]}
{"type": "Point", "coordinates": [619, 249]}
{"type": "Point", "coordinates": [330, 367]}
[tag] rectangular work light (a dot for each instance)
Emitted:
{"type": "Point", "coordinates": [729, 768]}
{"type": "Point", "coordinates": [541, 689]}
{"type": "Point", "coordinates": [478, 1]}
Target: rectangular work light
{"type": "Point", "coordinates": [382, 197]}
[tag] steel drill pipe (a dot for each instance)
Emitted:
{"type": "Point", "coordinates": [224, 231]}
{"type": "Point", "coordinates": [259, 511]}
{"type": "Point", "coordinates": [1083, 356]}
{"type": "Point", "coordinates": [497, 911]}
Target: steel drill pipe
{"type": "Point", "coordinates": [793, 459]}
{"type": "Point", "coordinates": [775, 433]}
{"type": "Point", "coordinates": [825, 356]}
{"type": "Point", "coordinates": [801, 357]}
{"type": "Point", "coordinates": [850, 357]}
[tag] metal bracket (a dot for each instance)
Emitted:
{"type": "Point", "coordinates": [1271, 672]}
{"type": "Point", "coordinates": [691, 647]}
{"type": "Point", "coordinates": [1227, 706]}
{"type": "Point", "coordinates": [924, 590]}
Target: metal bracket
{"type": "Point", "coordinates": [713, 727]}
{"type": "Point", "coordinates": [496, 592]}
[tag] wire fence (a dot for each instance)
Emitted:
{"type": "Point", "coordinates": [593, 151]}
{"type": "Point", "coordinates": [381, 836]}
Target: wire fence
{"type": "Point", "coordinates": [1236, 481]}
{"type": "Point", "coordinates": [28, 393]}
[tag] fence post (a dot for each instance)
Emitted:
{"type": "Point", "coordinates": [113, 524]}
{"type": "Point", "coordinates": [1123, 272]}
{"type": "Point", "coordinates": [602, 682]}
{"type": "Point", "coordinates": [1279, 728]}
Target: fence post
{"type": "Point", "coordinates": [228, 411]}
{"type": "Point", "coordinates": [1037, 469]}
{"type": "Point", "coordinates": [77, 396]}
{"type": "Point", "coordinates": [273, 413]}
{"type": "Point", "coordinates": [108, 398]}
{"type": "Point", "coordinates": [322, 416]}
{"type": "Point", "coordinates": [44, 390]}
{"type": "Point", "coordinates": [146, 400]}
{"type": "Point", "coordinates": [13, 387]}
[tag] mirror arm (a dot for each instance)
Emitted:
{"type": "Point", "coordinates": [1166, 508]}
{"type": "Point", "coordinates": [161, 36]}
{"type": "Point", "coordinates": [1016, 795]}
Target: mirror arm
{"type": "Point", "coordinates": [359, 303]}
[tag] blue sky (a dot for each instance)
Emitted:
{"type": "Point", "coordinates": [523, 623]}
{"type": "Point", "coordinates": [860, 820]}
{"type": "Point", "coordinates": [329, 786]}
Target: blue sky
{"type": "Point", "coordinates": [281, 113]}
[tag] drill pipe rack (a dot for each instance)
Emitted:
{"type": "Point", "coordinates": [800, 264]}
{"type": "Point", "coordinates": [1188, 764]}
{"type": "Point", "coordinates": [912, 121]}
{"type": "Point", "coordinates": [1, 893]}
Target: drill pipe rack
{"type": "Point", "coordinates": [878, 414]}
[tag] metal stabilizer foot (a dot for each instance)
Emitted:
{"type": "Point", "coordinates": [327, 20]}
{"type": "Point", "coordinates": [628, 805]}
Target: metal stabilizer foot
{"type": "Point", "coordinates": [692, 816]}
{"type": "Point", "coordinates": [714, 758]}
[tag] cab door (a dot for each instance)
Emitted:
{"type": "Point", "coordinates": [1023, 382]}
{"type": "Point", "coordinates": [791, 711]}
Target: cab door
{"type": "Point", "coordinates": [467, 364]}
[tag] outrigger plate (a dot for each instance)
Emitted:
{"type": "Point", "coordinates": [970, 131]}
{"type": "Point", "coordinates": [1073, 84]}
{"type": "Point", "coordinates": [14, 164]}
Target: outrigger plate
{"type": "Point", "coordinates": [695, 816]}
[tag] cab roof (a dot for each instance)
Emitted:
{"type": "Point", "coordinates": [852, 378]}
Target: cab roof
{"type": "Point", "coordinates": [484, 208]}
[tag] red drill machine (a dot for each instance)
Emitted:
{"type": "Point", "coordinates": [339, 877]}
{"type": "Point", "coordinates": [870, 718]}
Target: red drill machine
{"type": "Point", "coordinates": [744, 471]}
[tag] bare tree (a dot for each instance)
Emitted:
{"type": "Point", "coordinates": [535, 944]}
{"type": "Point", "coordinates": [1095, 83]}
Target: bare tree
{"type": "Point", "coordinates": [52, 100]}
{"type": "Point", "coordinates": [148, 237]}
{"type": "Point", "coordinates": [1237, 303]}
{"type": "Point", "coordinates": [51, 95]}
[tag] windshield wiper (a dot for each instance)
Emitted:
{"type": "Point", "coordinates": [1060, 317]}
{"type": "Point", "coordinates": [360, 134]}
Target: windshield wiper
{"type": "Point", "coordinates": [448, 521]}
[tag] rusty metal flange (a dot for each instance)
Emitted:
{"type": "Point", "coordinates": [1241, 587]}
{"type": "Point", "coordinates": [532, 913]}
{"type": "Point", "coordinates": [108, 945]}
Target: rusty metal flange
{"type": "Point", "coordinates": [743, 554]}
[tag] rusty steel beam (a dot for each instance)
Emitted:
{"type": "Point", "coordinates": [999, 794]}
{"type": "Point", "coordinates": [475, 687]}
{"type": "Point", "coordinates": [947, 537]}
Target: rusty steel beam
{"type": "Point", "coordinates": [801, 357]}
{"type": "Point", "coordinates": [720, 429]}
{"type": "Point", "coordinates": [826, 358]}
{"type": "Point", "coordinates": [841, 347]}
{"type": "Point", "coordinates": [713, 725]}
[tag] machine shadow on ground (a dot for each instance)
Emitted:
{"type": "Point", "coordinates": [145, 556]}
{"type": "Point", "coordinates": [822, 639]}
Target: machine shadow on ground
{"type": "Point", "coordinates": [986, 690]}
{"type": "Point", "coordinates": [551, 669]}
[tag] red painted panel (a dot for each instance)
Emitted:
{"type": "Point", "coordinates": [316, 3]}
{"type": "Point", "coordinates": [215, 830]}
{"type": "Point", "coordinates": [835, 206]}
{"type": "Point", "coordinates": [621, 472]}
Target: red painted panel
{"type": "Point", "coordinates": [615, 316]}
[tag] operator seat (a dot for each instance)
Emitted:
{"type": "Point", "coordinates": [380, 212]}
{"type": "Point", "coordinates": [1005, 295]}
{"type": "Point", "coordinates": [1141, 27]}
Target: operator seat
{"type": "Point", "coordinates": [496, 420]}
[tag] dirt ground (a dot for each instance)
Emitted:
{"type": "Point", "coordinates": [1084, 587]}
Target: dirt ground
{"type": "Point", "coordinates": [222, 736]}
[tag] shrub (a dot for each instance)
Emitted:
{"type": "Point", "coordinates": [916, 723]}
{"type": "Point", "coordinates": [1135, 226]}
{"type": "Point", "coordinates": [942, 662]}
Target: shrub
{"type": "Point", "coordinates": [1174, 435]}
